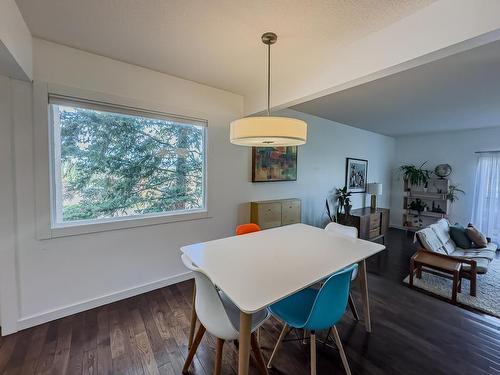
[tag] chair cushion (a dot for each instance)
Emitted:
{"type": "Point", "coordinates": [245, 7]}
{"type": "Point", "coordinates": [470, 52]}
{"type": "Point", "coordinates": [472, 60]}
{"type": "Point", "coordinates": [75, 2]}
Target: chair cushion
{"type": "Point", "coordinates": [430, 240]}
{"type": "Point", "coordinates": [442, 230]}
{"type": "Point", "coordinates": [481, 265]}
{"type": "Point", "coordinates": [482, 256]}
{"type": "Point", "coordinates": [457, 234]}
{"type": "Point", "coordinates": [476, 236]}
{"type": "Point", "coordinates": [233, 313]}
{"type": "Point", "coordinates": [296, 308]}
{"type": "Point", "coordinates": [473, 253]}
{"type": "Point", "coordinates": [491, 246]}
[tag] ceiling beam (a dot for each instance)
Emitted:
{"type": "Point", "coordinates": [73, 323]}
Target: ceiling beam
{"type": "Point", "coordinates": [16, 47]}
{"type": "Point", "coordinates": [441, 29]}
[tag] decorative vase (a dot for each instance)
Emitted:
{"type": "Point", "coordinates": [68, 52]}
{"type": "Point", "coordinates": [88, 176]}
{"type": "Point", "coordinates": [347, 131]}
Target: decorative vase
{"type": "Point", "coordinates": [348, 209]}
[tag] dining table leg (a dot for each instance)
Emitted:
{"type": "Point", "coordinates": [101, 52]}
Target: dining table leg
{"type": "Point", "coordinates": [244, 343]}
{"type": "Point", "coordinates": [363, 283]}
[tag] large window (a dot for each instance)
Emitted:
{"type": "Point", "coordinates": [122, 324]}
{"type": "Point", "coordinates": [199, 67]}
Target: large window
{"type": "Point", "coordinates": [486, 204]}
{"type": "Point", "coordinates": [111, 162]}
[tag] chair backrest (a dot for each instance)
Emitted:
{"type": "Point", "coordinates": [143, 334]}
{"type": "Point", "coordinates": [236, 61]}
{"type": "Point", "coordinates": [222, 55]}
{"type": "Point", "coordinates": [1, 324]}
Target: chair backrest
{"type": "Point", "coordinates": [247, 228]}
{"type": "Point", "coordinates": [208, 304]}
{"type": "Point", "coordinates": [342, 229]}
{"type": "Point", "coordinates": [331, 302]}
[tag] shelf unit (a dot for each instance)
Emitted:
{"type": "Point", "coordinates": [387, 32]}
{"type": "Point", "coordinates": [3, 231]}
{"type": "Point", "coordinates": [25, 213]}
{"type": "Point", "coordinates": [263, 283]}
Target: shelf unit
{"type": "Point", "coordinates": [435, 198]}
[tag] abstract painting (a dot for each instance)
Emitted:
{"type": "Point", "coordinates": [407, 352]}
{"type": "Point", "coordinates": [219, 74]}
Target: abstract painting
{"type": "Point", "coordinates": [274, 164]}
{"type": "Point", "coordinates": [356, 174]}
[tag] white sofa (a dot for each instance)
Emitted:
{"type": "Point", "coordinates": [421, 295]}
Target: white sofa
{"type": "Point", "coordinates": [436, 238]}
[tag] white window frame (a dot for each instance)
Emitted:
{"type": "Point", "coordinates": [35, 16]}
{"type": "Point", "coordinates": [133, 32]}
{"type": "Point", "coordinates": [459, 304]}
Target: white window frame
{"type": "Point", "coordinates": [45, 192]}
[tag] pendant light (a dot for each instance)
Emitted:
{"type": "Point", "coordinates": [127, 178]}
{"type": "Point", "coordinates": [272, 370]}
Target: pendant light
{"type": "Point", "coordinates": [268, 131]}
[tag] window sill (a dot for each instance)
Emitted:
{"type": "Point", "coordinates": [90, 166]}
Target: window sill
{"type": "Point", "coordinates": [76, 229]}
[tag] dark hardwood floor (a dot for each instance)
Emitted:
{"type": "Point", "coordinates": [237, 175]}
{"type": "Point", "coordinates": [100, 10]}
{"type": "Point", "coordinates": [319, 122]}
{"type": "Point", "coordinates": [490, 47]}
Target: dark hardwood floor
{"type": "Point", "coordinates": [413, 333]}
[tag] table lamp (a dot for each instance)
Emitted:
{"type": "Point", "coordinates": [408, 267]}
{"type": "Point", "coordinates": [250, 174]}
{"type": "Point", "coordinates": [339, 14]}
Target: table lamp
{"type": "Point", "coordinates": [374, 188]}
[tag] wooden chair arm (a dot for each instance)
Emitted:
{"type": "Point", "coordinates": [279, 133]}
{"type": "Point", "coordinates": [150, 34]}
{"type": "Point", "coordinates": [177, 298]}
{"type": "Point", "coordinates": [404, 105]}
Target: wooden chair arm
{"type": "Point", "coordinates": [471, 262]}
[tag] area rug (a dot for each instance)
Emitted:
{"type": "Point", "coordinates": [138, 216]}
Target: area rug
{"type": "Point", "coordinates": [488, 289]}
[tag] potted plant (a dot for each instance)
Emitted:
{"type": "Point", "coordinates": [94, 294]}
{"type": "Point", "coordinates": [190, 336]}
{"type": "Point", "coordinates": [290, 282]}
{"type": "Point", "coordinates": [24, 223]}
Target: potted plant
{"type": "Point", "coordinates": [343, 197]}
{"type": "Point", "coordinates": [452, 194]}
{"type": "Point", "coordinates": [332, 217]}
{"type": "Point", "coordinates": [418, 205]}
{"type": "Point", "coordinates": [415, 175]}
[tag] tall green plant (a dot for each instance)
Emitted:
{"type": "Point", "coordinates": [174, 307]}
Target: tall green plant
{"type": "Point", "coordinates": [415, 175]}
{"type": "Point", "coordinates": [452, 194]}
{"type": "Point", "coordinates": [332, 217]}
{"type": "Point", "coordinates": [418, 205]}
{"type": "Point", "coordinates": [343, 197]}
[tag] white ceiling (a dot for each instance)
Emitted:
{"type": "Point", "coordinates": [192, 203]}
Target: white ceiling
{"type": "Point", "coordinates": [214, 42]}
{"type": "Point", "coordinates": [458, 92]}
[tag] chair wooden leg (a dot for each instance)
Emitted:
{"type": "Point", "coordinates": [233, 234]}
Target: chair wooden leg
{"type": "Point", "coordinates": [454, 287]}
{"type": "Point", "coordinates": [261, 365]}
{"type": "Point", "coordinates": [419, 271]}
{"type": "Point", "coordinates": [258, 335]}
{"type": "Point", "coordinates": [194, 318]}
{"type": "Point", "coordinates": [412, 272]}
{"type": "Point", "coordinates": [313, 353]}
{"type": "Point", "coordinates": [352, 306]}
{"type": "Point", "coordinates": [341, 350]}
{"type": "Point", "coordinates": [278, 343]}
{"type": "Point", "coordinates": [218, 356]}
{"type": "Point", "coordinates": [304, 338]}
{"type": "Point", "coordinates": [473, 283]}
{"type": "Point", "coordinates": [194, 347]}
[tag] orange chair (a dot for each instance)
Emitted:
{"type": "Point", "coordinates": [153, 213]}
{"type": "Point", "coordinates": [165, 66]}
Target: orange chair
{"type": "Point", "coordinates": [240, 229]}
{"type": "Point", "coordinates": [247, 228]}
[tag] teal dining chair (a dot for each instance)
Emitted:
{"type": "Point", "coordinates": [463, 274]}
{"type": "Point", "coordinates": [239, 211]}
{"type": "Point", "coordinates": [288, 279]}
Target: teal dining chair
{"type": "Point", "coordinates": [314, 310]}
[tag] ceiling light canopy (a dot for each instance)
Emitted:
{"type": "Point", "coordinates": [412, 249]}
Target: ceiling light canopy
{"type": "Point", "coordinates": [268, 131]}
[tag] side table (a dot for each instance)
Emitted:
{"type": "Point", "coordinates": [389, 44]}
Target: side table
{"type": "Point", "coordinates": [434, 262]}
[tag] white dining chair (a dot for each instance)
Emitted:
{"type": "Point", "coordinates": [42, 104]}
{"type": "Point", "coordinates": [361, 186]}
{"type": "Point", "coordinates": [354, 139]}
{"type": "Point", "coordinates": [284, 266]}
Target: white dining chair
{"type": "Point", "coordinates": [241, 229]}
{"type": "Point", "coordinates": [221, 318]}
{"type": "Point", "coordinates": [350, 232]}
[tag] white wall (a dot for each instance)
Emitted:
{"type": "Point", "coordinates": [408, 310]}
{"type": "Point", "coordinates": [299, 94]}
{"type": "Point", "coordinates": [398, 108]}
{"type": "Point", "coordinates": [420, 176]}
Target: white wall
{"type": "Point", "coordinates": [8, 280]}
{"type": "Point", "coordinates": [322, 163]}
{"type": "Point", "coordinates": [16, 55]}
{"type": "Point", "coordinates": [455, 148]}
{"type": "Point", "coordinates": [60, 276]}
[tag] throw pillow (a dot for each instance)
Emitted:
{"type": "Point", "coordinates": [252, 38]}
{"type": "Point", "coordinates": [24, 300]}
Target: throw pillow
{"type": "Point", "coordinates": [476, 236]}
{"type": "Point", "coordinates": [458, 235]}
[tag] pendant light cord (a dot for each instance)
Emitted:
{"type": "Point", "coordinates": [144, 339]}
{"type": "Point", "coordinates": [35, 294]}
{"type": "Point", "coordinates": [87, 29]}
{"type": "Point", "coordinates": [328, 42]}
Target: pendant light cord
{"type": "Point", "coordinates": [269, 79]}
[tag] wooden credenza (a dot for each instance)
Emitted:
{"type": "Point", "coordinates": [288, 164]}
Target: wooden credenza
{"type": "Point", "coordinates": [371, 224]}
{"type": "Point", "coordinates": [275, 213]}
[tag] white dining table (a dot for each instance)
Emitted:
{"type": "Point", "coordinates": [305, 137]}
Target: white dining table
{"type": "Point", "coordinates": [258, 269]}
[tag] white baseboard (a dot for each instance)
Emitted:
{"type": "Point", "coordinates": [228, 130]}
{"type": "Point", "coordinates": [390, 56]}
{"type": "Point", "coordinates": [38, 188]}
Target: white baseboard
{"type": "Point", "coordinates": [34, 320]}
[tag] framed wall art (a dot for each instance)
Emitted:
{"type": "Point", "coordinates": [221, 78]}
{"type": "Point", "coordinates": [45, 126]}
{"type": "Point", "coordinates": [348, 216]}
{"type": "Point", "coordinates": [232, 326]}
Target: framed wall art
{"type": "Point", "coordinates": [356, 174]}
{"type": "Point", "coordinates": [270, 164]}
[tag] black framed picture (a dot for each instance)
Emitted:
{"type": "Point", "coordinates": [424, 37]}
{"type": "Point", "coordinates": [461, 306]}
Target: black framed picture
{"type": "Point", "coordinates": [356, 175]}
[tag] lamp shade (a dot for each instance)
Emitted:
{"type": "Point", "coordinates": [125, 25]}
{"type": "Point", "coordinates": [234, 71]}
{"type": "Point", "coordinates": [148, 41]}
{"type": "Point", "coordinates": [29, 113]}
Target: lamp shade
{"type": "Point", "coordinates": [268, 131]}
{"type": "Point", "coordinates": [374, 188]}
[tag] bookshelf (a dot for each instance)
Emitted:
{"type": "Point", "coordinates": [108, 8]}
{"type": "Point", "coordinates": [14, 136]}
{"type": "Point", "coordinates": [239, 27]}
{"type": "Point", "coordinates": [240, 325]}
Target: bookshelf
{"type": "Point", "coordinates": [433, 197]}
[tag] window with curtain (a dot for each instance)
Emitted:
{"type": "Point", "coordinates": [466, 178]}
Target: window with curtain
{"type": "Point", "coordinates": [486, 207]}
